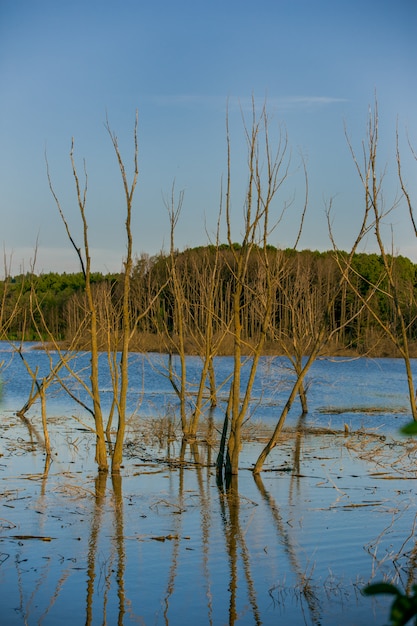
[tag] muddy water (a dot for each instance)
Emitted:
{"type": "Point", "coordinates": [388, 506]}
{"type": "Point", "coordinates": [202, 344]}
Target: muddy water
{"type": "Point", "coordinates": [164, 544]}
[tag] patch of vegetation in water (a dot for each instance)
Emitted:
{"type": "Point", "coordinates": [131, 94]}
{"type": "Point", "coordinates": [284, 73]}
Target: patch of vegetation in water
{"type": "Point", "coordinates": [368, 410]}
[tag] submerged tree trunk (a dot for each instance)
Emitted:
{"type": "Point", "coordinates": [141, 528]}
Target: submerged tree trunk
{"type": "Point", "coordinates": [297, 387]}
{"type": "Point", "coordinates": [119, 393]}
{"type": "Point", "coordinates": [129, 191]}
{"type": "Point", "coordinates": [267, 172]}
{"type": "Point", "coordinates": [101, 452]}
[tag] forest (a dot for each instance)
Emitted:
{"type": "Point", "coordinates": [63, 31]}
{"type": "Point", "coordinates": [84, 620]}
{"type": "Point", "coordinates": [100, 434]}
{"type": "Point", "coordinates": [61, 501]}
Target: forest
{"type": "Point", "coordinates": [303, 281]}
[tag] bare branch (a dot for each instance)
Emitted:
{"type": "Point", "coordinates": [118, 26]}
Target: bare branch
{"type": "Point", "coordinates": [61, 213]}
{"type": "Point", "coordinates": [400, 177]}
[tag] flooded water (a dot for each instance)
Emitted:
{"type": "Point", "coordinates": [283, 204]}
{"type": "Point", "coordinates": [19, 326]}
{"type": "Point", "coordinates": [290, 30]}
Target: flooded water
{"type": "Point", "coordinates": [164, 544]}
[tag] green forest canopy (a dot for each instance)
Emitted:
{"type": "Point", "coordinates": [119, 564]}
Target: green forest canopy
{"type": "Point", "coordinates": [60, 296]}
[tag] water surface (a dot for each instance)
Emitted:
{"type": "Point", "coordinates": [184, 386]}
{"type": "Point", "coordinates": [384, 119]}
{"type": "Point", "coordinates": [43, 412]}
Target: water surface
{"type": "Point", "coordinates": [164, 544]}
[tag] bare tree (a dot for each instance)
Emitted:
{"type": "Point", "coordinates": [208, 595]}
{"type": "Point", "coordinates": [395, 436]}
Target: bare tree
{"type": "Point", "coordinates": [120, 383]}
{"type": "Point", "coordinates": [85, 262]}
{"type": "Point", "coordinates": [395, 326]}
{"type": "Point", "coordinates": [179, 304]}
{"type": "Point", "coordinates": [302, 297]}
{"type": "Point", "coordinates": [129, 190]}
{"type": "Point", "coordinates": [209, 330]}
{"type": "Point", "coordinates": [194, 286]}
{"type": "Point", "coordinates": [313, 331]}
{"type": "Point", "coordinates": [268, 169]}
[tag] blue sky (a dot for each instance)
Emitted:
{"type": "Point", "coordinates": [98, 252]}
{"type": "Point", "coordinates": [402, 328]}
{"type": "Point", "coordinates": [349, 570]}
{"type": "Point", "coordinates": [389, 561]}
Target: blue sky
{"type": "Point", "coordinates": [318, 64]}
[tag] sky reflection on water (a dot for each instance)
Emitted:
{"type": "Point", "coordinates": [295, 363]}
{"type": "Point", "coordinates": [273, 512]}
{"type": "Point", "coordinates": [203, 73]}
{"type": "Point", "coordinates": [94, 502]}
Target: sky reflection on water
{"type": "Point", "coordinates": [348, 386]}
{"type": "Point", "coordinates": [163, 543]}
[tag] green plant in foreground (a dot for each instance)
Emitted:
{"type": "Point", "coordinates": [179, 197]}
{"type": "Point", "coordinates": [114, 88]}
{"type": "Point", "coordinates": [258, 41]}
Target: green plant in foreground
{"type": "Point", "coordinates": [409, 429]}
{"type": "Point", "coordinates": [403, 608]}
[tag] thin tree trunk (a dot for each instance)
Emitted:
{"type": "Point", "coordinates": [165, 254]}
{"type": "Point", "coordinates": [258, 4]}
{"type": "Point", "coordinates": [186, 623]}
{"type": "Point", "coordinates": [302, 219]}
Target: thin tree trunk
{"type": "Point", "coordinates": [280, 424]}
{"type": "Point", "coordinates": [44, 422]}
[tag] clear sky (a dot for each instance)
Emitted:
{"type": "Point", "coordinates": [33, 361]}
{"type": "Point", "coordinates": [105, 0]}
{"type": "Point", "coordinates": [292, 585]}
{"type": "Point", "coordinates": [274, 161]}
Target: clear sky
{"type": "Point", "coordinates": [64, 66]}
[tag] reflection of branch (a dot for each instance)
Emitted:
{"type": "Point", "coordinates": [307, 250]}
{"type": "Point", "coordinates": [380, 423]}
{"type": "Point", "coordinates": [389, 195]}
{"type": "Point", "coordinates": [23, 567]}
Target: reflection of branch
{"type": "Point", "coordinates": [100, 495]}
{"type": "Point", "coordinates": [31, 428]}
{"type": "Point", "coordinates": [235, 538]}
{"type": "Point", "coordinates": [249, 579]}
{"type": "Point", "coordinates": [299, 435]}
{"type": "Point", "coordinates": [116, 480]}
{"type": "Point", "coordinates": [394, 557]}
{"type": "Point", "coordinates": [172, 574]}
{"type": "Point", "coordinates": [205, 510]}
{"type": "Point", "coordinates": [25, 608]}
{"type": "Point", "coordinates": [176, 537]}
{"type": "Point", "coordinates": [412, 559]}
{"type": "Point", "coordinates": [304, 582]}
{"type": "Point", "coordinates": [48, 461]}
{"type": "Point", "coordinates": [55, 595]}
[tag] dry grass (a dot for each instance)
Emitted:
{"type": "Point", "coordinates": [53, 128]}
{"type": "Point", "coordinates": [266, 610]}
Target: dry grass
{"type": "Point", "coordinates": [391, 459]}
{"type": "Point", "coordinates": [373, 345]}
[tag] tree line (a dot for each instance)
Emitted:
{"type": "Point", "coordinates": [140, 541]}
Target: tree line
{"type": "Point", "coordinates": [62, 300]}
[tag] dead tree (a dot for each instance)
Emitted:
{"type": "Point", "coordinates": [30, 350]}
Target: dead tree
{"type": "Point", "coordinates": [267, 169]}
{"type": "Point", "coordinates": [193, 281]}
{"type": "Point", "coordinates": [120, 382]}
{"type": "Point", "coordinates": [317, 334]}
{"type": "Point", "coordinates": [375, 215]}
{"type": "Point", "coordinates": [129, 190]}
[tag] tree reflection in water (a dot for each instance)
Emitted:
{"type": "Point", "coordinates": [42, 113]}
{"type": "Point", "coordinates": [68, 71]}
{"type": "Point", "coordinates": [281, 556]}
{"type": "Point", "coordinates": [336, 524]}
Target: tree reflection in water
{"type": "Point", "coordinates": [117, 551]}
{"type": "Point", "coordinates": [235, 543]}
{"type": "Point", "coordinates": [203, 482]}
{"type": "Point", "coordinates": [304, 584]}
{"type": "Point", "coordinates": [179, 548]}
{"type": "Point", "coordinates": [116, 480]}
{"type": "Point", "coordinates": [100, 499]}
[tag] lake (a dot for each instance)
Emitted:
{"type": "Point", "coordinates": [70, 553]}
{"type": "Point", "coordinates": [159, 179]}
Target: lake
{"type": "Point", "coordinates": [164, 544]}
